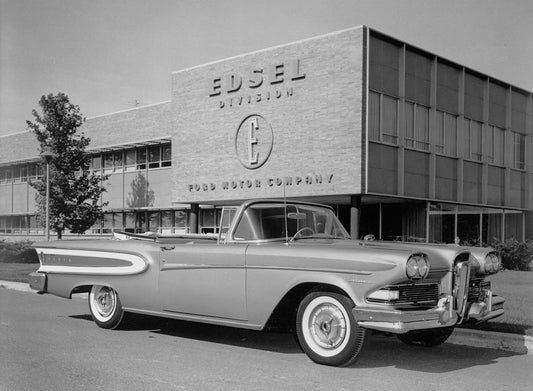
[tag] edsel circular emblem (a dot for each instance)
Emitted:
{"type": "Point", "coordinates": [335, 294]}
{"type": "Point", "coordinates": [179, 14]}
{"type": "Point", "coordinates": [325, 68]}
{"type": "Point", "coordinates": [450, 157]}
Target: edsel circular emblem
{"type": "Point", "coordinates": [253, 141]}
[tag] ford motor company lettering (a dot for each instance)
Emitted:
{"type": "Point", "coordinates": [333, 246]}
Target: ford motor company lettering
{"type": "Point", "coordinates": [274, 76]}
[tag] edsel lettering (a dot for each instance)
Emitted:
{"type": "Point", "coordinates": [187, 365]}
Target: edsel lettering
{"type": "Point", "coordinates": [273, 74]}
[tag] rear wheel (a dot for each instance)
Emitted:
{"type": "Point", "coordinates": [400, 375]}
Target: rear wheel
{"type": "Point", "coordinates": [327, 330]}
{"type": "Point", "coordinates": [428, 338]}
{"type": "Point", "coordinates": [105, 307]}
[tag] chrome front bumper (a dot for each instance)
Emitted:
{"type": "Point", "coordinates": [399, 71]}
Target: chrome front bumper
{"type": "Point", "coordinates": [444, 315]}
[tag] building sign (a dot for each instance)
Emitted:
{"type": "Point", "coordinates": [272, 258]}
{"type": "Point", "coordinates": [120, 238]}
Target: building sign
{"type": "Point", "coordinates": [285, 121]}
{"type": "Point", "coordinates": [235, 90]}
{"type": "Point", "coordinates": [253, 141]}
{"type": "Point", "coordinates": [311, 180]}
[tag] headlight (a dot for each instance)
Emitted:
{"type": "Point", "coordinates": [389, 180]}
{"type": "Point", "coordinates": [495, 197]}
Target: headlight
{"type": "Point", "coordinates": [417, 267]}
{"type": "Point", "coordinates": [492, 263]}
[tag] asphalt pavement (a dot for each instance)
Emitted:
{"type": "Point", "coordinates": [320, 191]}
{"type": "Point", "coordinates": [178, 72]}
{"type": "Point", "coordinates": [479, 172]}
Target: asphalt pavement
{"type": "Point", "coordinates": [466, 337]}
{"type": "Point", "coordinates": [51, 343]}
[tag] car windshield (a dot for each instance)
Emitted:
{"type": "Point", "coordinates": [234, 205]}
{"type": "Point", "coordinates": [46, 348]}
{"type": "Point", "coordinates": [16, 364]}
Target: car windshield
{"type": "Point", "coordinates": [272, 221]}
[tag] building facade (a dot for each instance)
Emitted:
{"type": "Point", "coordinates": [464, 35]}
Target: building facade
{"type": "Point", "coordinates": [402, 143]}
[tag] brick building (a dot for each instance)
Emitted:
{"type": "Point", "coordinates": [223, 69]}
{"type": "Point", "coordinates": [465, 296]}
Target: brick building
{"type": "Point", "coordinates": [403, 143]}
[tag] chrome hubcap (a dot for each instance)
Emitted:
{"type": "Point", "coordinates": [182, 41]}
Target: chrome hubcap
{"type": "Point", "coordinates": [105, 301]}
{"type": "Point", "coordinates": [327, 326]}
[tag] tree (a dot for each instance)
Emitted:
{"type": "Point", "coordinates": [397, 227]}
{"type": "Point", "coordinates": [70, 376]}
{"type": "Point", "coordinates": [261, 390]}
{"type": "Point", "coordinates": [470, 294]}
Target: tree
{"type": "Point", "coordinates": [74, 189]}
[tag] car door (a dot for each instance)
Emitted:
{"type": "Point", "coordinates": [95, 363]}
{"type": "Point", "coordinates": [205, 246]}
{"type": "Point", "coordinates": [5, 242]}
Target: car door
{"type": "Point", "coordinates": [204, 278]}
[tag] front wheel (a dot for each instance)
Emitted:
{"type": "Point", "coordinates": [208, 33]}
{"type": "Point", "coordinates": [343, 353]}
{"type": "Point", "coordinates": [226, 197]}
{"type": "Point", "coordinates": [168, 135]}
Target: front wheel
{"type": "Point", "coordinates": [105, 307]}
{"type": "Point", "coordinates": [327, 330]}
{"type": "Point", "coordinates": [428, 338]}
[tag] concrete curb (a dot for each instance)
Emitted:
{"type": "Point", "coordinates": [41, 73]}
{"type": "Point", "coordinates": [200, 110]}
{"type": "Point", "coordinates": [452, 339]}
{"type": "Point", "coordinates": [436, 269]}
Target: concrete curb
{"type": "Point", "coordinates": [467, 337]}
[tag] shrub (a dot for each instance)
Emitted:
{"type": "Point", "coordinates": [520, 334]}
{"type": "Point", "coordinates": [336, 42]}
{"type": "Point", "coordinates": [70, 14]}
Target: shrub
{"type": "Point", "coordinates": [17, 252]}
{"type": "Point", "coordinates": [515, 255]}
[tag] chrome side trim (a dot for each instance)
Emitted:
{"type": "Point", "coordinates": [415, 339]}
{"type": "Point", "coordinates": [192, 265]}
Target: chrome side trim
{"type": "Point", "coordinates": [135, 263]}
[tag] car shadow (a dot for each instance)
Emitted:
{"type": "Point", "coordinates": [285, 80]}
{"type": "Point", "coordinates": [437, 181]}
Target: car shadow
{"type": "Point", "coordinates": [380, 350]}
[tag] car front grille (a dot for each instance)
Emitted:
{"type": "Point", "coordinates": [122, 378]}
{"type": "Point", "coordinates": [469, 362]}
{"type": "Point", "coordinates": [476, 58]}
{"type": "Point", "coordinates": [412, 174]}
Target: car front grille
{"type": "Point", "coordinates": [426, 294]}
{"type": "Point", "coordinates": [476, 288]}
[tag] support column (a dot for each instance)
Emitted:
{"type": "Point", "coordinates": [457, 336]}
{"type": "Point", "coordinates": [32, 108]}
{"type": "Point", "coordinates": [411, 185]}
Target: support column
{"type": "Point", "coordinates": [355, 215]}
{"type": "Point", "coordinates": [193, 218]}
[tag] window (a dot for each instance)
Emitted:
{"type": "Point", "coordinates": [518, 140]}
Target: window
{"type": "Point", "coordinates": [519, 111]}
{"type": "Point", "coordinates": [417, 78]}
{"type": "Point", "coordinates": [153, 221]}
{"type": "Point", "coordinates": [519, 151]}
{"type": "Point", "coordinates": [496, 147]}
{"type": "Point", "coordinates": [181, 224]}
{"type": "Point", "coordinates": [472, 147]}
{"type": "Point", "coordinates": [497, 106]}
{"type": "Point", "coordinates": [208, 221]}
{"type": "Point", "coordinates": [166, 155]}
{"type": "Point", "coordinates": [166, 222]}
{"type": "Point", "coordinates": [383, 118]}
{"type": "Point", "coordinates": [416, 126]}
{"type": "Point", "coordinates": [130, 160]}
{"type": "Point", "coordinates": [446, 131]}
{"type": "Point", "coordinates": [141, 159]}
{"type": "Point", "coordinates": [96, 162]}
{"type": "Point", "coordinates": [155, 156]}
{"type": "Point", "coordinates": [108, 163]}
{"type": "Point", "coordinates": [474, 87]}
{"type": "Point", "coordinates": [117, 161]}
{"type": "Point", "coordinates": [447, 88]}
{"type": "Point", "coordinates": [16, 173]}
{"type": "Point", "coordinates": [384, 66]}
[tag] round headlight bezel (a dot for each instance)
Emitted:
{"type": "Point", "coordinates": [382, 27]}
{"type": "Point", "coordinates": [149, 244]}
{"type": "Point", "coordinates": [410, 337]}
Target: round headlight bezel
{"type": "Point", "coordinates": [492, 263]}
{"type": "Point", "coordinates": [417, 267]}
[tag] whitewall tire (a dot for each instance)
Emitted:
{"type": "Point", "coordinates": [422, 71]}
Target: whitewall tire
{"type": "Point", "coordinates": [105, 307]}
{"type": "Point", "coordinates": [327, 330]}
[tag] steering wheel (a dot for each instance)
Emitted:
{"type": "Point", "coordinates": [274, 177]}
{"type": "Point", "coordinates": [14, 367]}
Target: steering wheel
{"type": "Point", "coordinates": [300, 231]}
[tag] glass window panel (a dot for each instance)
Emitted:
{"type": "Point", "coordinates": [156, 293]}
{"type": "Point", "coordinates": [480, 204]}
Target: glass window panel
{"type": "Point", "coordinates": [32, 170]}
{"type": "Point", "coordinates": [492, 226]}
{"type": "Point", "coordinates": [447, 88]}
{"type": "Point", "coordinates": [474, 97]}
{"type": "Point", "coordinates": [153, 221]}
{"type": "Point", "coordinates": [15, 170]}
{"type": "Point", "coordinates": [466, 139]}
{"type": "Point", "coordinates": [513, 225]}
{"type": "Point", "coordinates": [422, 128]}
{"type": "Point", "coordinates": [384, 66]}
{"type": "Point", "coordinates": [450, 134]}
{"type": "Point", "coordinates": [468, 229]}
{"type": "Point", "coordinates": [107, 223]}
{"type": "Point", "coordinates": [140, 222]}
{"type": "Point", "coordinates": [476, 142]}
{"type": "Point", "coordinates": [154, 153]}
{"type": "Point", "coordinates": [373, 120]}
{"type": "Point", "coordinates": [166, 151]}
{"type": "Point", "coordinates": [417, 78]}
{"type": "Point", "coordinates": [409, 124]}
{"type": "Point", "coordinates": [130, 222]}
{"type": "Point", "coordinates": [141, 158]}
{"type": "Point", "coordinates": [497, 99]}
{"type": "Point", "coordinates": [96, 162]}
{"type": "Point", "coordinates": [130, 157]}
{"type": "Point", "coordinates": [390, 119]}
{"type": "Point", "coordinates": [439, 132]}
{"type": "Point", "coordinates": [108, 162]}
{"type": "Point", "coordinates": [117, 156]}
{"type": "Point", "coordinates": [180, 220]}
{"type": "Point", "coordinates": [519, 111]}
{"type": "Point", "coordinates": [24, 173]}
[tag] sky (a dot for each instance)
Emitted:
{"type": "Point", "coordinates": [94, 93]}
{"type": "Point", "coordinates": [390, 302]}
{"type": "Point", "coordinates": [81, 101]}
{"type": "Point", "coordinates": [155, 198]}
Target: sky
{"type": "Point", "coordinates": [109, 55]}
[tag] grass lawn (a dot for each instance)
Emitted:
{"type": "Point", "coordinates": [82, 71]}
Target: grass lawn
{"type": "Point", "coordinates": [516, 287]}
